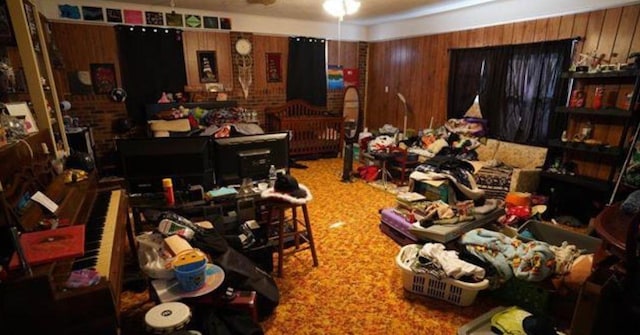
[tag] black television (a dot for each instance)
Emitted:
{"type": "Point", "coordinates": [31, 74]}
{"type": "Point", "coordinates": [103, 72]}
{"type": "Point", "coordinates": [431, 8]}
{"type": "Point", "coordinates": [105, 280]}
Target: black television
{"type": "Point", "coordinates": [249, 157]}
{"type": "Point", "coordinates": [188, 161]}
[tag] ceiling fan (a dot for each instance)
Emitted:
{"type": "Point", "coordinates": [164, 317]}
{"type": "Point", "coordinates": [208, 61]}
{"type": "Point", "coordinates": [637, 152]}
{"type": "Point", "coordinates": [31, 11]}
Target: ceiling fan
{"type": "Point", "coordinates": [264, 2]}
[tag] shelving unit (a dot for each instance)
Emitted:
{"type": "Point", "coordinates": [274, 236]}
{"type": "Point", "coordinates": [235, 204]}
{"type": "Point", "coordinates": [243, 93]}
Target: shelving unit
{"type": "Point", "coordinates": [34, 55]}
{"type": "Point", "coordinates": [609, 125]}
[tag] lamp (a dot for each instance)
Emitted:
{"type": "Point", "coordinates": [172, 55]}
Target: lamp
{"type": "Point", "coordinates": [406, 111]}
{"type": "Point", "coordinates": [340, 8]}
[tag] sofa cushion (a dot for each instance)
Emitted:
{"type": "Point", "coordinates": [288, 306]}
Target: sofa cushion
{"type": "Point", "coordinates": [520, 155]}
{"type": "Point", "coordinates": [487, 151]}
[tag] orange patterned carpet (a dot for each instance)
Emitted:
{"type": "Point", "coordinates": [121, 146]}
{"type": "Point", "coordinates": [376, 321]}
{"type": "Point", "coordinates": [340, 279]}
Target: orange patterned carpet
{"type": "Point", "coordinates": [357, 288]}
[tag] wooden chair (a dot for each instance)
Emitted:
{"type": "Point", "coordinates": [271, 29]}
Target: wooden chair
{"type": "Point", "coordinates": [402, 164]}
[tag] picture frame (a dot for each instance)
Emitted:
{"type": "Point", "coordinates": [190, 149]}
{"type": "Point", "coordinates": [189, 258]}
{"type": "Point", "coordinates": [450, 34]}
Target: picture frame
{"type": "Point", "coordinates": [154, 18]}
{"type": "Point", "coordinates": [103, 77]}
{"type": "Point", "coordinates": [90, 13]}
{"type": "Point", "coordinates": [114, 15]}
{"type": "Point", "coordinates": [207, 66]}
{"type": "Point", "coordinates": [30, 13]}
{"type": "Point", "coordinates": [274, 67]}
{"type": "Point", "coordinates": [21, 110]}
{"type": "Point", "coordinates": [174, 20]}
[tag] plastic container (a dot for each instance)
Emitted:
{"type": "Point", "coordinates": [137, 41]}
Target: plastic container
{"type": "Point", "coordinates": [448, 289]}
{"type": "Point", "coordinates": [167, 184]}
{"type": "Point", "coordinates": [555, 235]}
{"type": "Point", "coordinates": [482, 324]}
{"type": "Point", "coordinates": [191, 278]}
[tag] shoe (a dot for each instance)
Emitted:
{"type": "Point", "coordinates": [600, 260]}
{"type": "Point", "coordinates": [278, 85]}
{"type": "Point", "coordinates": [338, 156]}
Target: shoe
{"type": "Point", "coordinates": [168, 227]}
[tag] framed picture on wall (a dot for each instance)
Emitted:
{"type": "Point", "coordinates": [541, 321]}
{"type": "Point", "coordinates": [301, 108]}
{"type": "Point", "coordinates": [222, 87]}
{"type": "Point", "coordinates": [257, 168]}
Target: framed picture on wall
{"type": "Point", "coordinates": [30, 13]}
{"type": "Point", "coordinates": [207, 66]}
{"type": "Point", "coordinates": [274, 67]}
{"type": "Point", "coordinates": [103, 78]}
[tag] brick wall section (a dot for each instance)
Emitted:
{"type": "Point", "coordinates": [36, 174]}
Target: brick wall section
{"type": "Point", "coordinates": [101, 113]}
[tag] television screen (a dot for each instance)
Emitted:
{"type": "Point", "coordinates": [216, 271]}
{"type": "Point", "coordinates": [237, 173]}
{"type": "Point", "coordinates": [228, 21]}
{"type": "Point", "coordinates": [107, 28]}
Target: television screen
{"type": "Point", "coordinates": [188, 161]}
{"type": "Point", "coordinates": [250, 157]}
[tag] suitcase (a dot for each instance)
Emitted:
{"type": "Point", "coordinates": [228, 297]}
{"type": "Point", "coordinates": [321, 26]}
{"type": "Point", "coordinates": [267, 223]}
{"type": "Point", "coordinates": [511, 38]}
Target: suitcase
{"type": "Point", "coordinates": [395, 226]}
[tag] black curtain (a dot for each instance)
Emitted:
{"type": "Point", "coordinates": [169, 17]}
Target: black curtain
{"type": "Point", "coordinates": [151, 62]}
{"type": "Point", "coordinates": [306, 70]}
{"type": "Point", "coordinates": [518, 86]}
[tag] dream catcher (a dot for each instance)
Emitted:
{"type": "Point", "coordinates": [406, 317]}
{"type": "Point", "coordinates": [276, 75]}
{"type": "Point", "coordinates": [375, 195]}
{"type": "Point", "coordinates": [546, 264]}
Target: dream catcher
{"type": "Point", "coordinates": [245, 64]}
{"type": "Point", "coordinates": [245, 74]}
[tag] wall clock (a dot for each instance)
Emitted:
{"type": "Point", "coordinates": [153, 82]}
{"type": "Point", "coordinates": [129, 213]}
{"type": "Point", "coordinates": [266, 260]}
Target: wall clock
{"type": "Point", "coordinates": [243, 46]}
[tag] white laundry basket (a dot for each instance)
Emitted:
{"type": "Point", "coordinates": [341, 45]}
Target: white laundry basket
{"type": "Point", "coordinates": [448, 289]}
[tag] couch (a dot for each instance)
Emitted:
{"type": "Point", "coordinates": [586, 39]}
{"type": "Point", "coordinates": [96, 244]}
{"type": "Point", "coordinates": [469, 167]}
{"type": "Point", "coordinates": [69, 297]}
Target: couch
{"type": "Point", "coordinates": [520, 172]}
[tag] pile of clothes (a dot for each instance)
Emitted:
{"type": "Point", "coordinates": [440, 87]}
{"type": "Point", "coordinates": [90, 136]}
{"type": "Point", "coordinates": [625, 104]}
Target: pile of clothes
{"type": "Point", "coordinates": [508, 257]}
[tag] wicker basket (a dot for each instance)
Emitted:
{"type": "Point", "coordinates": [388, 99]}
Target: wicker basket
{"type": "Point", "coordinates": [448, 289]}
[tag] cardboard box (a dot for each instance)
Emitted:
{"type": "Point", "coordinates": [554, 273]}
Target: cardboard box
{"type": "Point", "coordinates": [434, 190]}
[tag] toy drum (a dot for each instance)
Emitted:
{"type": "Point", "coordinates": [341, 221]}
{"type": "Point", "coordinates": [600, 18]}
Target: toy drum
{"type": "Point", "coordinates": [167, 318]}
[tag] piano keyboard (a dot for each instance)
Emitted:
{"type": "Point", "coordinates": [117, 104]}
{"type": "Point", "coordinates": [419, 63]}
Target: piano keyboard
{"type": "Point", "coordinates": [99, 234]}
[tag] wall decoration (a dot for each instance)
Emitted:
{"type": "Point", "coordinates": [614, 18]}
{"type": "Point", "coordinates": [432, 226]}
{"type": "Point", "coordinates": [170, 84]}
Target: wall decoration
{"type": "Point", "coordinates": [21, 111]}
{"type": "Point", "coordinates": [334, 77]}
{"type": "Point", "coordinates": [132, 16]}
{"type": "Point", "coordinates": [174, 20]}
{"type": "Point", "coordinates": [193, 21]}
{"type": "Point", "coordinates": [207, 66]}
{"type": "Point", "coordinates": [114, 15]}
{"type": "Point", "coordinates": [80, 82]}
{"type": "Point", "coordinates": [154, 18]}
{"type": "Point", "coordinates": [225, 23]}
{"type": "Point", "coordinates": [6, 30]}
{"type": "Point", "coordinates": [210, 22]}
{"type": "Point", "coordinates": [103, 78]}
{"type": "Point", "coordinates": [92, 13]}
{"type": "Point", "coordinates": [351, 77]}
{"type": "Point", "coordinates": [29, 11]}
{"type": "Point", "coordinates": [69, 12]}
{"type": "Point", "coordinates": [274, 67]}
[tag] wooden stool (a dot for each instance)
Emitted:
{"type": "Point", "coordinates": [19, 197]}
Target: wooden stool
{"type": "Point", "coordinates": [277, 216]}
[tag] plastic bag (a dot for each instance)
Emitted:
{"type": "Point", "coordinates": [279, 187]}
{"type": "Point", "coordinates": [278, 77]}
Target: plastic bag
{"type": "Point", "coordinates": [154, 260]}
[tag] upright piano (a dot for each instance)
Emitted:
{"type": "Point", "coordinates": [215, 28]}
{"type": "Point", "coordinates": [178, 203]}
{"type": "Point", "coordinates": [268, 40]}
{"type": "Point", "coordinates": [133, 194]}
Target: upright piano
{"type": "Point", "coordinates": [40, 303]}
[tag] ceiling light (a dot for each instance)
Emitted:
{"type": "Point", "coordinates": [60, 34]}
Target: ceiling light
{"type": "Point", "coordinates": [340, 8]}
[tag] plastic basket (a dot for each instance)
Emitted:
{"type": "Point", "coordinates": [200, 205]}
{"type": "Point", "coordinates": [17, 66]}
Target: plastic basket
{"type": "Point", "coordinates": [448, 289]}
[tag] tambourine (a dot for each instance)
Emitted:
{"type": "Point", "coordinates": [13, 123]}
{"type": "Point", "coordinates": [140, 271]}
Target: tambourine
{"type": "Point", "coordinates": [167, 318]}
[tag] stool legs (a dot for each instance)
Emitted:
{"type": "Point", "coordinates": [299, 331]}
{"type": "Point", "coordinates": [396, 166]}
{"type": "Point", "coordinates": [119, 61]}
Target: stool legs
{"type": "Point", "coordinates": [312, 244]}
{"type": "Point", "coordinates": [296, 233]}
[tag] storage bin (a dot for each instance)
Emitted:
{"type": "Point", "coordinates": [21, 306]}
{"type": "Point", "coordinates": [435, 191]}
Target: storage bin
{"type": "Point", "coordinates": [448, 289]}
{"type": "Point", "coordinates": [555, 235]}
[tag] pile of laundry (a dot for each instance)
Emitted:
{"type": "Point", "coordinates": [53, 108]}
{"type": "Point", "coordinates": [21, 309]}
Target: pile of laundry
{"type": "Point", "coordinates": [440, 263]}
{"type": "Point", "coordinates": [511, 257]}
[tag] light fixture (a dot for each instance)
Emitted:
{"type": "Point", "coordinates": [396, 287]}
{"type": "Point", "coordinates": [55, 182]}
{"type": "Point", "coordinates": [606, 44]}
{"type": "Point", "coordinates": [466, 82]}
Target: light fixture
{"type": "Point", "coordinates": [340, 8]}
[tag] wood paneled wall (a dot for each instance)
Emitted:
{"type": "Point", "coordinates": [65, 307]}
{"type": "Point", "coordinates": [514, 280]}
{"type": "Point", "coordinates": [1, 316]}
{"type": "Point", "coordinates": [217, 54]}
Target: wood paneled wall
{"type": "Point", "coordinates": [195, 41]}
{"type": "Point", "coordinates": [81, 45]}
{"type": "Point", "coordinates": [419, 67]}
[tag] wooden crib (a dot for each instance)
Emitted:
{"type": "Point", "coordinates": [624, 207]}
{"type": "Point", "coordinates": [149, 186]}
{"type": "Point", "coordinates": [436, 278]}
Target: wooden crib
{"type": "Point", "coordinates": [313, 130]}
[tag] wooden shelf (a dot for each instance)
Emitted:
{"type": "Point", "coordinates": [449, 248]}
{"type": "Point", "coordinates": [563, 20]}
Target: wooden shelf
{"type": "Point", "coordinates": [611, 112]}
{"type": "Point", "coordinates": [602, 75]}
{"type": "Point", "coordinates": [579, 146]}
{"type": "Point", "coordinates": [583, 181]}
